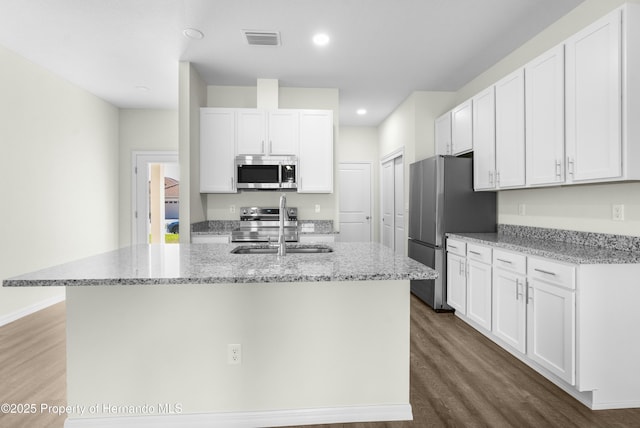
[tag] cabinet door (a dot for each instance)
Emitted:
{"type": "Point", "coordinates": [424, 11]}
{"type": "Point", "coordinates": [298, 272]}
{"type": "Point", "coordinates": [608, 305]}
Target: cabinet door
{"type": "Point", "coordinates": [461, 129]}
{"type": "Point", "coordinates": [443, 134]}
{"type": "Point", "coordinates": [551, 328]}
{"type": "Point", "coordinates": [544, 107]}
{"type": "Point", "coordinates": [484, 155]}
{"type": "Point", "coordinates": [251, 132]}
{"type": "Point", "coordinates": [479, 293]}
{"type": "Point", "coordinates": [509, 308]}
{"type": "Point", "coordinates": [457, 283]}
{"type": "Point", "coordinates": [217, 150]}
{"type": "Point", "coordinates": [283, 132]}
{"type": "Point", "coordinates": [316, 152]}
{"type": "Point", "coordinates": [594, 93]}
{"type": "Point", "coordinates": [510, 162]}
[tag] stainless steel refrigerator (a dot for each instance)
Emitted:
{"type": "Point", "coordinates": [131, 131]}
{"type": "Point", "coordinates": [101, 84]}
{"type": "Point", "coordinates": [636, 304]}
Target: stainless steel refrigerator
{"type": "Point", "coordinates": [442, 200]}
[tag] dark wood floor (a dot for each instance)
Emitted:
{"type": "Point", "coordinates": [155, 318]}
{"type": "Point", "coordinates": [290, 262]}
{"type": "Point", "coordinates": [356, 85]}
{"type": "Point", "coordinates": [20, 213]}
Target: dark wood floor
{"type": "Point", "coordinates": [459, 378]}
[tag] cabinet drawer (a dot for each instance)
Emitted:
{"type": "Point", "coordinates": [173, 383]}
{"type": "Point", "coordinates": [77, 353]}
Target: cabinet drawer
{"type": "Point", "coordinates": [479, 253]}
{"type": "Point", "coordinates": [457, 247]}
{"type": "Point", "coordinates": [510, 261]}
{"type": "Point", "coordinates": [552, 272]}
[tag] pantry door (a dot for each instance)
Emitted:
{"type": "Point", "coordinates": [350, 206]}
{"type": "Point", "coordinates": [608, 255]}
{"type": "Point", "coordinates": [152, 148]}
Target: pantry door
{"type": "Point", "coordinates": [355, 202]}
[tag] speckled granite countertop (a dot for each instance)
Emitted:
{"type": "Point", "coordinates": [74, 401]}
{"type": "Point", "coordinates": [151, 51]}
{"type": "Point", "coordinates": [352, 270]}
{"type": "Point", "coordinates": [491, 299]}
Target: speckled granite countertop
{"type": "Point", "coordinates": [225, 227]}
{"type": "Point", "coordinates": [213, 263]}
{"type": "Point", "coordinates": [569, 252]}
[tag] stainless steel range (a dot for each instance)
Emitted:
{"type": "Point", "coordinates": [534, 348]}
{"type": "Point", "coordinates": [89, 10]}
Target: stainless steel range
{"type": "Point", "coordinates": [261, 225]}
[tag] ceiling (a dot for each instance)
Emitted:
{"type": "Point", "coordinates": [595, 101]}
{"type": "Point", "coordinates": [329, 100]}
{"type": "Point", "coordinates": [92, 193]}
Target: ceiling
{"type": "Point", "coordinates": [127, 51]}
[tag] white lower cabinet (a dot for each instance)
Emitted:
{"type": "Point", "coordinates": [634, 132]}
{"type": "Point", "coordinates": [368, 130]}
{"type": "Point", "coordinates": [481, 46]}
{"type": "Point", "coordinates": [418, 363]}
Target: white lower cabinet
{"type": "Point", "coordinates": [551, 317]}
{"type": "Point", "coordinates": [526, 304]}
{"type": "Point", "coordinates": [479, 285]}
{"type": "Point", "coordinates": [509, 308]}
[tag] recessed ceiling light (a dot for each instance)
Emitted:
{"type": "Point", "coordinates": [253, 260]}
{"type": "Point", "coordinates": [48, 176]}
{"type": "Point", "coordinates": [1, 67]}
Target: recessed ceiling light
{"type": "Point", "coordinates": [361, 111]}
{"type": "Point", "coordinates": [193, 33]}
{"type": "Point", "coordinates": [321, 39]}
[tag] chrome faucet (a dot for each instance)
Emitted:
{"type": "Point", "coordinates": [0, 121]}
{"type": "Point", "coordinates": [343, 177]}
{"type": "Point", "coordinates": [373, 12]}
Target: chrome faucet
{"type": "Point", "coordinates": [282, 248]}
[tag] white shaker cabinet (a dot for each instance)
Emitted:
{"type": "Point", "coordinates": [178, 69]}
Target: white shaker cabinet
{"type": "Point", "coordinates": [479, 285]}
{"type": "Point", "coordinates": [457, 275]}
{"type": "Point", "coordinates": [509, 134]}
{"type": "Point", "coordinates": [217, 150]}
{"type": "Point", "coordinates": [283, 132]}
{"type": "Point", "coordinates": [484, 136]}
{"type": "Point", "coordinates": [551, 317]}
{"type": "Point", "coordinates": [544, 108]}
{"type": "Point", "coordinates": [267, 132]}
{"type": "Point", "coordinates": [593, 101]}
{"type": "Point", "coordinates": [462, 128]}
{"type": "Point", "coordinates": [443, 134]}
{"type": "Point", "coordinates": [509, 299]}
{"type": "Point", "coordinates": [316, 152]}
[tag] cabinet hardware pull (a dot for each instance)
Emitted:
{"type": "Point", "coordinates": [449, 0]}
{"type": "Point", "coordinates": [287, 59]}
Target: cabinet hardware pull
{"type": "Point", "coordinates": [475, 252]}
{"type": "Point", "coordinates": [570, 165]}
{"type": "Point", "coordinates": [544, 271]}
{"type": "Point", "coordinates": [262, 148]}
{"type": "Point", "coordinates": [505, 261]}
{"type": "Point", "coordinates": [490, 178]}
{"type": "Point", "coordinates": [529, 294]}
{"type": "Point", "coordinates": [270, 147]}
{"type": "Point", "coordinates": [558, 169]}
{"type": "Point", "coordinates": [453, 246]}
{"type": "Point", "coordinates": [497, 178]}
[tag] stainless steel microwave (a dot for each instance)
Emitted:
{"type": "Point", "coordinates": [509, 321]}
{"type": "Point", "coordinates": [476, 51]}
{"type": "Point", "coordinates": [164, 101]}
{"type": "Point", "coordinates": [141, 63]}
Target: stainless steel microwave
{"type": "Point", "coordinates": [266, 172]}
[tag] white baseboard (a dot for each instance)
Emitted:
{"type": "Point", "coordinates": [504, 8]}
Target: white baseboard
{"type": "Point", "coordinates": [274, 418]}
{"type": "Point", "coordinates": [6, 319]}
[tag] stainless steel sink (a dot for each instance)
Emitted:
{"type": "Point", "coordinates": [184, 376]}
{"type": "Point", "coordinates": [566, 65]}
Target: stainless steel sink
{"type": "Point", "coordinates": [291, 249]}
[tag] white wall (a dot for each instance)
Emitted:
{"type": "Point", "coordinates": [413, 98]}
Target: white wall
{"type": "Point", "coordinates": [141, 129]}
{"type": "Point", "coordinates": [59, 175]}
{"type": "Point", "coordinates": [218, 205]}
{"type": "Point", "coordinates": [586, 207]}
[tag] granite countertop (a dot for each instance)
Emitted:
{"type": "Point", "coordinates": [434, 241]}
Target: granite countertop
{"type": "Point", "coordinates": [213, 263]}
{"type": "Point", "coordinates": [225, 227]}
{"type": "Point", "coordinates": [568, 252]}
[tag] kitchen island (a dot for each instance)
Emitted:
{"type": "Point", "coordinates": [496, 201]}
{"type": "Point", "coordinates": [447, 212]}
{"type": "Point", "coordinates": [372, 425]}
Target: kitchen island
{"type": "Point", "coordinates": [193, 335]}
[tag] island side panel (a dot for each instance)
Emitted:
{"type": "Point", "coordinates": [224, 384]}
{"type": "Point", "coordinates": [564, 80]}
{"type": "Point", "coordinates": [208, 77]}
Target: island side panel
{"type": "Point", "coordinates": [304, 345]}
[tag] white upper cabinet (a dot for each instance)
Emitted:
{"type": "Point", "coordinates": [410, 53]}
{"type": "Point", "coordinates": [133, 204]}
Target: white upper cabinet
{"type": "Point", "coordinates": [267, 132]}
{"type": "Point", "coordinates": [316, 152]}
{"type": "Point", "coordinates": [283, 132]}
{"type": "Point", "coordinates": [461, 129]}
{"type": "Point", "coordinates": [544, 107]}
{"type": "Point", "coordinates": [509, 108]}
{"type": "Point", "coordinates": [484, 137]}
{"type": "Point", "coordinates": [443, 134]}
{"type": "Point", "coordinates": [593, 101]}
{"type": "Point", "coordinates": [217, 150]}
{"type": "Point", "coordinates": [252, 129]}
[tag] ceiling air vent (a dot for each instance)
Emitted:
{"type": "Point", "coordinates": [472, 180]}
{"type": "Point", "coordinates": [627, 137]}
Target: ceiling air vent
{"type": "Point", "coordinates": [262, 38]}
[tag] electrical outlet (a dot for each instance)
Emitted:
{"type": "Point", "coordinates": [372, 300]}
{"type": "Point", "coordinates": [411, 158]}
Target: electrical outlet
{"type": "Point", "coordinates": [521, 209]}
{"type": "Point", "coordinates": [617, 212]}
{"type": "Point", "coordinates": [317, 208]}
{"type": "Point", "coordinates": [232, 208]}
{"type": "Point", "coordinates": [234, 353]}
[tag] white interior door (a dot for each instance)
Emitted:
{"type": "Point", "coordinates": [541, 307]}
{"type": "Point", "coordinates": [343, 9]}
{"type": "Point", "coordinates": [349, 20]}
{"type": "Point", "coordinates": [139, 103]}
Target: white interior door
{"type": "Point", "coordinates": [388, 204]}
{"type": "Point", "coordinates": [399, 235]}
{"type": "Point", "coordinates": [355, 202]}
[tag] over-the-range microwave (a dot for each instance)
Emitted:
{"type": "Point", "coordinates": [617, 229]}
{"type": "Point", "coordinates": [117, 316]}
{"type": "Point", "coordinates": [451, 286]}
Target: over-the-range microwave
{"type": "Point", "coordinates": [266, 172]}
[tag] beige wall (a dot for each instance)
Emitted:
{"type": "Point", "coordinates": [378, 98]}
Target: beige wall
{"type": "Point", "coordinates": [141, 130]}
{"type": "Point", "coordinates": [59, 174]}
{"type": "Point", "coordinates": [585, 207]}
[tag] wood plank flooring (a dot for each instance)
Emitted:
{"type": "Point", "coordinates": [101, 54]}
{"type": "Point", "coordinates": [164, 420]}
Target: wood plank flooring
{"type": "Point", "coordinates": [459, 378]}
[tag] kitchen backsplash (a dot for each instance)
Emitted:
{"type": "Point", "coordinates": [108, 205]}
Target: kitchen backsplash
{"type": "Point", "coordinates": [592, 239]}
